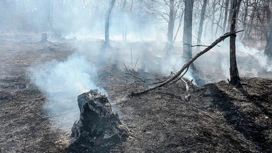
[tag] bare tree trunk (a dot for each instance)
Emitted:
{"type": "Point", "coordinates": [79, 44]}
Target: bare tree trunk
{"type": "Point", "coordinates": [202, 18]}
{"type": "Point", "coordinates": [107, 24]}
{"type": "Point", "coordinates": [187, 29]}
{"type": "Point", "coordinates": [187, 39]}
{"type": "Point", "coordinates": [234, 74]}
{"type": "Point", "coordinates": [171, 24]}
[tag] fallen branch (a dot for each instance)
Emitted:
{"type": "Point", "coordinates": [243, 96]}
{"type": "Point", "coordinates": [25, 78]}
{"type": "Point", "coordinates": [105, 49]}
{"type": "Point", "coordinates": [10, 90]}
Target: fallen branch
{"type": "Point", "coordinates": [186, 65]}
{"type": "Point", "coordinates": [186, 70]}
{"type": "Point", "coordinates": [186, 85]}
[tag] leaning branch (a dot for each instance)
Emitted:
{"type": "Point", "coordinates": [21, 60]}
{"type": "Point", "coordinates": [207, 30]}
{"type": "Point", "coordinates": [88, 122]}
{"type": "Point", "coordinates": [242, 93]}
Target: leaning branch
{"type": "Point", "coordinates": [186, 65]}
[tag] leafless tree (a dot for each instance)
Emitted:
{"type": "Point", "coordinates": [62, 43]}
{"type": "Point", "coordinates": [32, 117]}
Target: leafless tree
{"type": "Point", "coordinates": [107, 24]}
{"type": "Point", "coordinates": [167, 11]}
{"type": "Point", "coordinates": [187, 29]}
{"type": "Point", "coordinates": [234, 74]}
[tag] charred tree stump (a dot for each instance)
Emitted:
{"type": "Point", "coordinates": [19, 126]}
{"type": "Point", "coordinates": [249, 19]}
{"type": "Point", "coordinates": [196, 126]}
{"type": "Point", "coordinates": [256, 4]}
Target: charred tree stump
{"type": "Point", "coordinates": [98, 129]}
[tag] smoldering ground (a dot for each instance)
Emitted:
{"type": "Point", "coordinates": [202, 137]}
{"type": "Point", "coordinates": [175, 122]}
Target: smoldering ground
{"type": "Point", "coordinates": [143, 50]}
{"type": "Point", "coordinates": [62, 82]}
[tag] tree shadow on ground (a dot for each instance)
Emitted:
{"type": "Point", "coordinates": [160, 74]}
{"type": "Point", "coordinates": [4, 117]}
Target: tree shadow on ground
{"type": "Point", "coordinates": [241, 120]}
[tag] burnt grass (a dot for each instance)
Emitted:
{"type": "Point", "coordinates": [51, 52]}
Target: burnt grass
{"type": "Point", "coordinates": [24, 125]}
{"type": "Point", "coordinates": [215, 117]}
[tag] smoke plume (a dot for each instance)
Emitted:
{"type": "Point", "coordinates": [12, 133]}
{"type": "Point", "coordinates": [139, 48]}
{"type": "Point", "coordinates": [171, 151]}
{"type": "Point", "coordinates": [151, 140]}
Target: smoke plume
{"type": "Point", "coordinates": [62, 82]}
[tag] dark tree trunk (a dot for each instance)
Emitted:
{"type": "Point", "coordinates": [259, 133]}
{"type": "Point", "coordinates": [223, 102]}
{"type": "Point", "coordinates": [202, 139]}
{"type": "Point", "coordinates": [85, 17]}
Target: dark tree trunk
{"type": "Point", "coordinates": [234, 74]}
{"type": "Point", "coordinates": [187, 39]}
{"type": "Point", "coordinates": [202, 18]}
{"type": "Point", "coordinates": [187, 29]}
{"type": "Point", "coordinates": [107, 24]}
{"type": "Point", "coordinates": [171, 24]}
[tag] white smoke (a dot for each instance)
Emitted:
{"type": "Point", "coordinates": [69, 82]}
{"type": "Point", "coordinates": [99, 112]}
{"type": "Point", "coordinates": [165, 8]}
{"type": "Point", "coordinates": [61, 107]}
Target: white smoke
{"type": "Point", "coordinates": [62, 82]}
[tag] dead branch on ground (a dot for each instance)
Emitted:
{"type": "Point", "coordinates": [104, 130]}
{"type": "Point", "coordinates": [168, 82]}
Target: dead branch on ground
{"type": "Point", "coordinates": [186, 65]}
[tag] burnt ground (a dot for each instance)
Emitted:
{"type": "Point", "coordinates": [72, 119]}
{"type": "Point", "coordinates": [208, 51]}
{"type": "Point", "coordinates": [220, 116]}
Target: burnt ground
{"type": "Point", "coordinates": [213, 118]}
{"type": "Point", "coordinates": [23, 125]}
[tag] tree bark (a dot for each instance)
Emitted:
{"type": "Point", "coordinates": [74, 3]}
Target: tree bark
{"type": "Point", "coordinates": [107, 24]}
{"type": "Point", "coordinates": [234, 74]}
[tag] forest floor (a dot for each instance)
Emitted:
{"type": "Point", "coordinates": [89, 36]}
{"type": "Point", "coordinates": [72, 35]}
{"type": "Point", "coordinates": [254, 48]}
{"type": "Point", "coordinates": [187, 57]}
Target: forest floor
{"type": "Point", "coordinates": [215, 117]}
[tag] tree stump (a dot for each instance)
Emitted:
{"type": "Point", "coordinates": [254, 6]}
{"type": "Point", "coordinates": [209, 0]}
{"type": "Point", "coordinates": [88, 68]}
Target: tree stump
{"type": "Point", "coordinates": [98, 129]}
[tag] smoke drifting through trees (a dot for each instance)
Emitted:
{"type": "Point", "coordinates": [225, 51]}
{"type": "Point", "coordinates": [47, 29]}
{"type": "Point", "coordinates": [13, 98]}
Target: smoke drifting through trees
{"type": "Point", "coordinates": [131, 19]}
{"type": "Point", "coordinates": [146, 27]}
